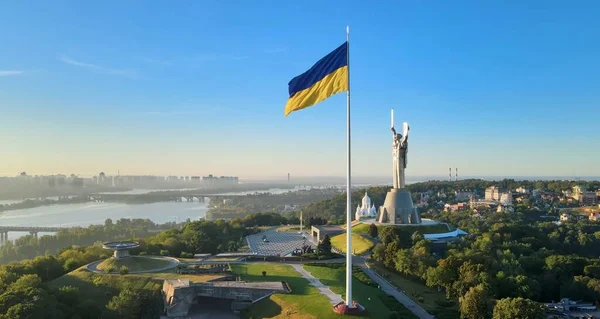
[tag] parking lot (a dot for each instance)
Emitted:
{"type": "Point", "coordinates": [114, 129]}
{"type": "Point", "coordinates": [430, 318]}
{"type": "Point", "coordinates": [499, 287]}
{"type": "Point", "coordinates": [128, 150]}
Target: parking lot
{"type": "Point", "coordinates": [279, 243]}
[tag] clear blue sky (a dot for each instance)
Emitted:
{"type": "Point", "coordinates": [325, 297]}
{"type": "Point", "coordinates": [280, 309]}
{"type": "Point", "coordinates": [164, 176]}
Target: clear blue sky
{"type": "Point", "coordinates": [198, 87]}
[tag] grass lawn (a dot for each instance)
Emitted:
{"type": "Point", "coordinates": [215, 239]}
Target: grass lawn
{"type": "Point", "coordinates": [134, 263]}
{"type": "Point", "coordinates": [374, 300]}
{"type": "Point", "coordinates": [359, 243]}
{"type": "Point", "coordinates": [361, 228]}
{"type": "Point", "coordinates": [434, 301]}
{"type": "Point", "coordinates": [305, 301]}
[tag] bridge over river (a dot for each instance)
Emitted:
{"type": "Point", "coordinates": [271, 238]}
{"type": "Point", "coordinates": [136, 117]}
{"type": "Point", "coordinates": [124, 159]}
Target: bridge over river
{"type": "Point", "coordinates": [158, 197]}
{"type": "Point", "coordinates": [33, 230]}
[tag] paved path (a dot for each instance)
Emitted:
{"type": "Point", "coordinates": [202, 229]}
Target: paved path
{"type": "Point", "coordinates": [334, 299]}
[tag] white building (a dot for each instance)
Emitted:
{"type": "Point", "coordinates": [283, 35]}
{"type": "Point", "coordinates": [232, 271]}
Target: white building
{"type": "Point", "coordinates": [522, 190]}
{"type": "Point", "coordinates": [506, 199]}
{"type": "Point", "coordinates": [366, 210]}
{"type": "Point", "coordinates": [564, 217]}
{"type": "Point", "coordinates": [505, 209]}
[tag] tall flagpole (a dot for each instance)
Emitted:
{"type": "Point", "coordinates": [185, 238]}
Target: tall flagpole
{"type": "Point", "coordinates": [348, 190]}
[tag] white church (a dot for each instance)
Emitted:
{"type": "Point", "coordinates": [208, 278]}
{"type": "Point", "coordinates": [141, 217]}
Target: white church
{"type": "Point", "coordinates": [366, 210]}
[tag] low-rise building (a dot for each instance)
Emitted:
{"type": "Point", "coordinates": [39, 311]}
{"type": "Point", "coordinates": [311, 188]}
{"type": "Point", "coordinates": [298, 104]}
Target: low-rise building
{"type": "Point", "coordinates": [493, 193]}
{"type": "Point", "coordinates": [463, 194]}
{"type": "Point", "coordinates": [505, 209]}
{"type": "Point", "coordinates": [587, 198]}
{"type": "Point", "coordinates": [565, 217]}
{"type": "Point", "coordinates": [460, 207]}
{"type": "Point", "coordinates": [594, 216]}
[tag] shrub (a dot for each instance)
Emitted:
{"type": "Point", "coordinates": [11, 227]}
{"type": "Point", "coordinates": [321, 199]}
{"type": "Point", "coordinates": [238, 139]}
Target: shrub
{"type": "Point", "coordinates": [421, 299]}
{"type": "Point", "coordinates": [109, 269]}
{"type": "Point", "coordinates": [124, 270]}
{"type": "Point", "coordinates": [164, 252]}
{"type": "Point", "coordinates": [143, 253]}
{"type": "Point", "coordinates": [445, 303]}
{"type": "Point", "coordinates": [264, 273]}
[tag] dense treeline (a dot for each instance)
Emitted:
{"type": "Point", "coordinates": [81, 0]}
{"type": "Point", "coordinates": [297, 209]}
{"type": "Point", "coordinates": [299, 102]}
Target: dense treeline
{"type": "Point", "coordinates": [480, 185]}
{"type": "Point", "coordinates": [24, 292]}
{"type": "Point", "coordinates": [31, 203]}
{"type": "Point", "coordinates": [505, 256]}
{"type": "Point", "coordinates": [30, 246]}
{"type": "Point", "coordinates": [334, 209]}
{"type": "Point", "coordinates": [239, 206]}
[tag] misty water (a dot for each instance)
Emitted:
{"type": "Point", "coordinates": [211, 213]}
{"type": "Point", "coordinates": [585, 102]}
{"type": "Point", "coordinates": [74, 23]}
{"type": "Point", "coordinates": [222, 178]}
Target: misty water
{"type": "Point", "coordinates": [92, 213]}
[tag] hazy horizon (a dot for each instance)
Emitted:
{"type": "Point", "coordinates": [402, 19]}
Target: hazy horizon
{"type": "Point", "coordinates": [356, 179]}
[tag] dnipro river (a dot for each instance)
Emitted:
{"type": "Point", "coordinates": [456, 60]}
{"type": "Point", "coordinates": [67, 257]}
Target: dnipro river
{"type": "Point", "coordinates": [91, 213]}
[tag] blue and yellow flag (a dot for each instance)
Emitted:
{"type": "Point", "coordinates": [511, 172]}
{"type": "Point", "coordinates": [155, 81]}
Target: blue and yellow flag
{"type": "Point", "coordinates": [327, 77]}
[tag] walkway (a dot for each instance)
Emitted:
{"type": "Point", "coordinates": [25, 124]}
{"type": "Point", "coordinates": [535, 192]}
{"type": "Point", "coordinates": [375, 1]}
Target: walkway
{"type": "Point", "coordinates": [334, 299]}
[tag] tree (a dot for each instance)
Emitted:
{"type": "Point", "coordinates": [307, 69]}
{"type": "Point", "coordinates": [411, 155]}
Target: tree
{"type": "Point", "coordinates": [325, 245]}
{"type": "Point", "coordinates": [518, 308]}
{"type": "Point", "coordinates": [232, 246]}
{"type": "Point", "coordinates": [373, 232]}
{"type": "Point", "coordinates": [476, 303]}
{"type": "Point", "coordinates": [126, 304]}
{"type": "Point", "coordinates": [379, 252]}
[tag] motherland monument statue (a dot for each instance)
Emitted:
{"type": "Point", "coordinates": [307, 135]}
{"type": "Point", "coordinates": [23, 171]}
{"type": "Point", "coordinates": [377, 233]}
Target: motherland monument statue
{"type": "Point", "coordinates": [398, 207]}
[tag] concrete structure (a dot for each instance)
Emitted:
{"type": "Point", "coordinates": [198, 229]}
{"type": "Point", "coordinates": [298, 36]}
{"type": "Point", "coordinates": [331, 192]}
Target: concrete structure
{"type": "Point", "coordinates": [33, 230]}
{"type": "Point", "coordinates": [180, 294]}
{"type": "Point", "coordinates": [121, 249]}
{"type": "Point", "coordinates": [463, 194]}
{"type": "Point", "coordinates": [366, 209]}
{"type": "Point", "coordinates": [398, 206]}
{"type": "Point", "coordinates": [318, 232]}
{"type": "Point", "coordinates": [445, 236]}
{"type": "Point", "coordinates": [587, 198]}
{"type": "Point", "coordinates": [219, 181]}
{"type": "Point", "coordinates": [277, 243]}
{"type": "Point", "coordinates": [493, 193]}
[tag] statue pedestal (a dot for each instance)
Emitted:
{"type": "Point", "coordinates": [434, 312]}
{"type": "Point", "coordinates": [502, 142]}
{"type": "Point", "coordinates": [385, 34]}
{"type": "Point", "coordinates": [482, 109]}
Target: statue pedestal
{"type": "Point", "coordinates": [398, 208]}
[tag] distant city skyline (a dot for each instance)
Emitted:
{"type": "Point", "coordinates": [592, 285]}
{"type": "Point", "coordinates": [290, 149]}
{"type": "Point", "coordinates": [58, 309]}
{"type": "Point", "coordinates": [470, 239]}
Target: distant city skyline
{"type": "Point", "coordinates": [505, 89]}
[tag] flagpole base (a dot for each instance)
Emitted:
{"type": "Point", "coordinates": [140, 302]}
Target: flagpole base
{"type": "Point", "coordinates": [343, 309]}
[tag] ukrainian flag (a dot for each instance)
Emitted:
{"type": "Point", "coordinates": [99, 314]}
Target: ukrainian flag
{"type": "Point", "coordinates": [327, 77]}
